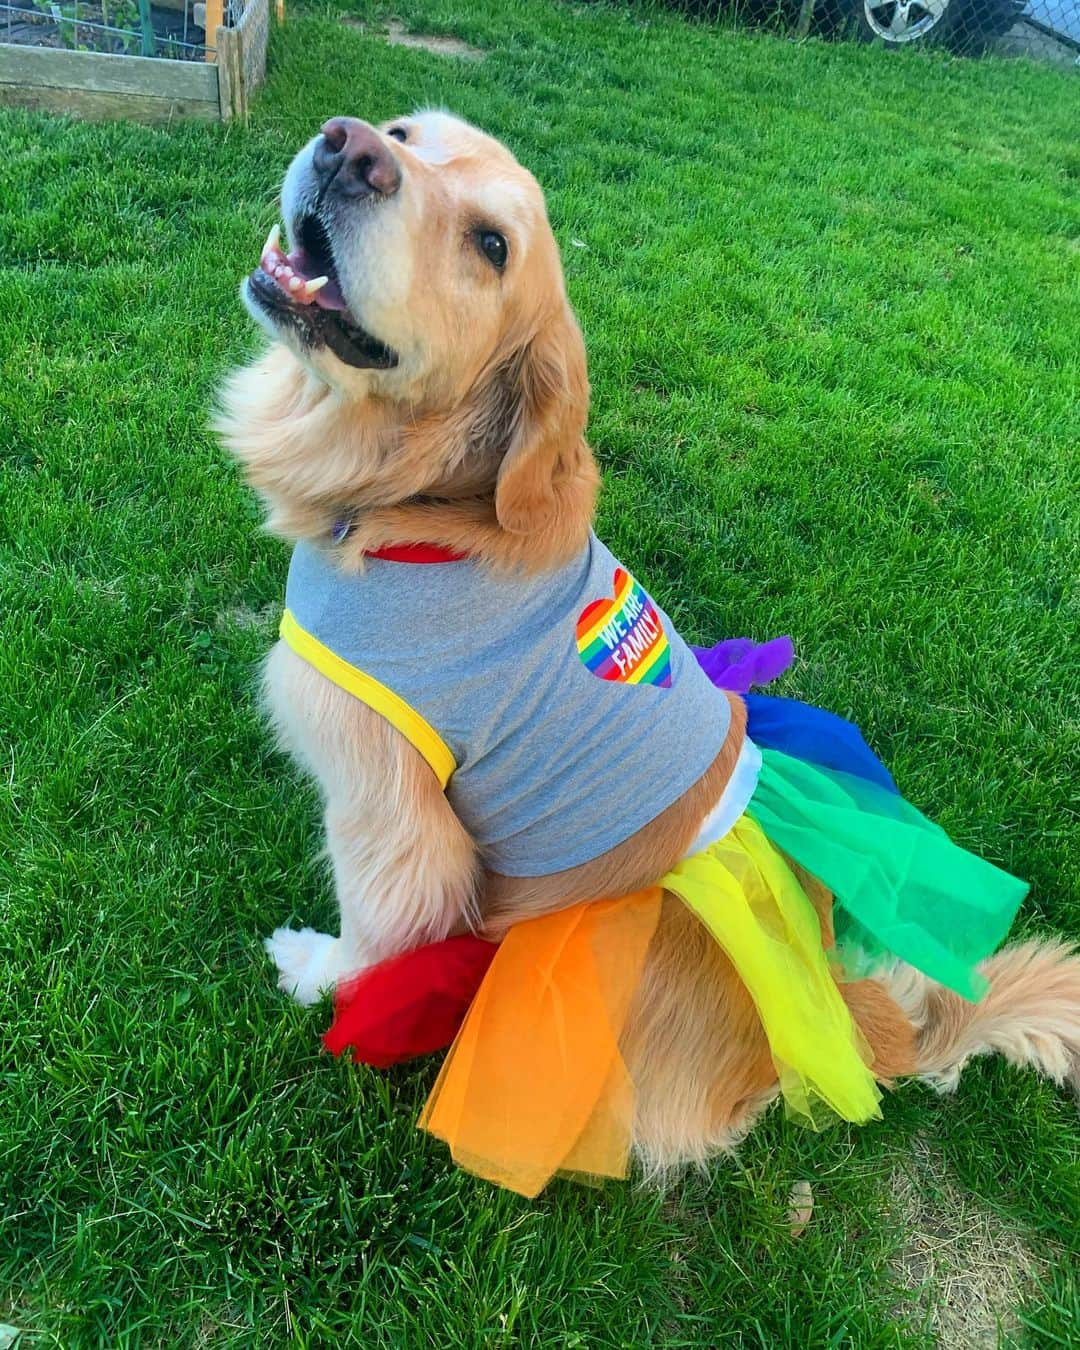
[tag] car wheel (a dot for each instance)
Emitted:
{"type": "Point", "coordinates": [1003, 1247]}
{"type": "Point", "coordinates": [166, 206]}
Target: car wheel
{"type": "Point", "coordinates": [964, 25]}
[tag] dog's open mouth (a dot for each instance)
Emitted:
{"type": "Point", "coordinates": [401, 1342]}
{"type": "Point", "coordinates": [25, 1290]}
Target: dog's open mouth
{"type": "Point", "coordinates": [301, 289]}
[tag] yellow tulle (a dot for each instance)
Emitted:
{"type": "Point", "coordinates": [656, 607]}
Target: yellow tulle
{"type": "Point", "coordinates": [750, 900]}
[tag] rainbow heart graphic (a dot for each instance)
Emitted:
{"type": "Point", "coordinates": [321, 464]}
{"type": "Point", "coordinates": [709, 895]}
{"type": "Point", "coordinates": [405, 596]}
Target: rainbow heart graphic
{"type": "Point", "coordinates": [623, 639]}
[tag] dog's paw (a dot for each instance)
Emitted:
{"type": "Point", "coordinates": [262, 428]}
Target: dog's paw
{"type": "Point", "coordinates": [307, 962]}
{"type": "Point", "coordinates": [944, 1081]}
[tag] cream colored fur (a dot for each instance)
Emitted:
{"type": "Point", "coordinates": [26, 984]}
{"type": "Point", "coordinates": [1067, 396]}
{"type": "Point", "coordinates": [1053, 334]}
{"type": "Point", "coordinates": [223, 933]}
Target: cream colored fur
{"type": "Point", "coordinates": [405, 871]}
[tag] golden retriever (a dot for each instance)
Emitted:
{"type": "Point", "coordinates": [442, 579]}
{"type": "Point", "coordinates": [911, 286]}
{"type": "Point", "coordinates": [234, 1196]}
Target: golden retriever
{"type": "Point", "coordinates": [426, 378]}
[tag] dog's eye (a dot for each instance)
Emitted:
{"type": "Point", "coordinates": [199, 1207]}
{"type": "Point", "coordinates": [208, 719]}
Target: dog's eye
{"type": "Point", "coordinates": [493, 247]}
{"type": "Point", "coordinates": [398, 133]}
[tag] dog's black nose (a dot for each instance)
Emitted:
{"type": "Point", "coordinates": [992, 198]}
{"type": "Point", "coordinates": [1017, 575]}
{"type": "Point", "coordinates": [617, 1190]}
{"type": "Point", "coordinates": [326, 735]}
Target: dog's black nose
{"type": "Point", "coordinates": [355, 160]}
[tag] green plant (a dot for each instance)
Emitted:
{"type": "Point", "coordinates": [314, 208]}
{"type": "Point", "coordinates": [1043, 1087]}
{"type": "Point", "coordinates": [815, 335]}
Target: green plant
{"type": "Point", "coordinates": [66, 17]}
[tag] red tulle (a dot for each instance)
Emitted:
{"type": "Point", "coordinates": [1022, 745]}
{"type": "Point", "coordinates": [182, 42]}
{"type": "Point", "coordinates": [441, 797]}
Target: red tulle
{"type": "Point", "coordinates": [410, 1005]}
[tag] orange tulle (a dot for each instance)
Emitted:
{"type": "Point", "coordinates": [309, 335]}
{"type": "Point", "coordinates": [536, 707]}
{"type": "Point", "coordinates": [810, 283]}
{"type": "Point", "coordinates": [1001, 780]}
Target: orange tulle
{"type": "Point", "coordinates": [534, 1084]}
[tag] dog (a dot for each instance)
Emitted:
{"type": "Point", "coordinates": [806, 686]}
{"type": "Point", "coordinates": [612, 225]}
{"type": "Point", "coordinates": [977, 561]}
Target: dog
{"type": "Point", "coordinates": [426, 381]}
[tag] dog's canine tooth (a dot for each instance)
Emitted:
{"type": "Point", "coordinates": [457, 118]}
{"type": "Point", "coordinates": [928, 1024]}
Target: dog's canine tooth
{"type": "Point", "coordinates": [273, 239]}
{"type": "Point", "coordinates": [316, 284]}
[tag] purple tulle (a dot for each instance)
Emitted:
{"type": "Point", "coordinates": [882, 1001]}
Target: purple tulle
{"type": "Point", "coordinates": [785, 724]}
{"type": "Point", "coordinates": [737, 664]}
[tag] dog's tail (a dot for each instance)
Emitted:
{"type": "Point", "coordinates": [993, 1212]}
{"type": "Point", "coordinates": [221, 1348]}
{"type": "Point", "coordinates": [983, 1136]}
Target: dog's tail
{"type": "Point", "coordinates": [1030, 1014]}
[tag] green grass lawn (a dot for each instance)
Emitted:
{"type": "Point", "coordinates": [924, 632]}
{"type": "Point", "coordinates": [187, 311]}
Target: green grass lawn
{"type": "Point", "coordinates": [832, 303]}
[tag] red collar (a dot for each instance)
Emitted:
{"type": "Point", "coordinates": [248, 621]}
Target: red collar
{"type": "Point", "coordinates": [416, 553]}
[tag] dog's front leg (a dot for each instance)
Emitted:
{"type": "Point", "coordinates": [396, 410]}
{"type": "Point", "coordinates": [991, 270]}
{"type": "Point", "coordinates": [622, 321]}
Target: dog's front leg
{"type": "Point", "coordinates": [405, 870]}
{"type": "Point", "coordinates": [398, 884]}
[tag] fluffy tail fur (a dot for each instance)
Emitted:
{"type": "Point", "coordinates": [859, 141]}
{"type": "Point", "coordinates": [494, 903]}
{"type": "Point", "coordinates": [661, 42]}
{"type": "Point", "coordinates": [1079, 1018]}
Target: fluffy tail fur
{"type": "Point", "coordinates": [1030, 1014]}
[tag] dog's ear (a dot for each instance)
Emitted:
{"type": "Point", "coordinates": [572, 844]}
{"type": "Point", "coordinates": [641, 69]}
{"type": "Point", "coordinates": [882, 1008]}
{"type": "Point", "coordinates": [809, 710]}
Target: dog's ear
{"type": "Point", "coordinates": [547, 469]}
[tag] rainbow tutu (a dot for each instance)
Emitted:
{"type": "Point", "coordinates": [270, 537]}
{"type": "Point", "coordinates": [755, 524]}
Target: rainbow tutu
{"type": "Point", "coordinates": [824, 813]}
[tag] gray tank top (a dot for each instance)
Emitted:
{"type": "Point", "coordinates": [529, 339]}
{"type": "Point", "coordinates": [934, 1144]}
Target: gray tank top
{"type": "Point", "coordinates": [561, 712]}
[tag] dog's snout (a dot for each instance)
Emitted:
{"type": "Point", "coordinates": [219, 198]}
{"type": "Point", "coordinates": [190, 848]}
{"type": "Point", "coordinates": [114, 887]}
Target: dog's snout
{"type": "Point", "coordinates": [355, 160]}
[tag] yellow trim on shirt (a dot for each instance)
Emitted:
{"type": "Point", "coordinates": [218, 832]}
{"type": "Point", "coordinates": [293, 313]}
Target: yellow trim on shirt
{"type": "Point", "coordinates": [418, 732]}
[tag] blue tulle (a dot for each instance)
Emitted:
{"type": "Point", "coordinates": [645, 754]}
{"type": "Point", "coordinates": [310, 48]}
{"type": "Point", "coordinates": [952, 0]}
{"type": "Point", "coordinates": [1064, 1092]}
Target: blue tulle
{"type": "Point", "coordinates": [805, 732]}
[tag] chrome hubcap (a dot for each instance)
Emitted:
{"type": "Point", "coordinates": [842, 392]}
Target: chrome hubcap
{"type": "Point", "coordinates": [903, 20]}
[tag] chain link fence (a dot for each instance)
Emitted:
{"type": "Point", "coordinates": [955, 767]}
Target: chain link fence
{"type": "Point", "coordinates": [1047, 29]}
{"type": "Point", "coordinates": [1050, 30]}
{"type": "Point", "coordinates": [1044, 29]}
{"type": "Point", "coordinates": [170, 28]}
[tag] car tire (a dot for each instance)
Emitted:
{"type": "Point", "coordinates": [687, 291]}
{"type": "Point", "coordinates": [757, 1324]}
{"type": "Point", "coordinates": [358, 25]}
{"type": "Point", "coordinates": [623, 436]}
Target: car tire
{"type": "Point", "coordinates": [965, 26]}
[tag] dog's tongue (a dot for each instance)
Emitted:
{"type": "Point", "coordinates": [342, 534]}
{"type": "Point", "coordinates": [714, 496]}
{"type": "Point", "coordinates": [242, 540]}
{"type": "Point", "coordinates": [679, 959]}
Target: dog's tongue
{"type": "Point", "coordinates": [296, 275]}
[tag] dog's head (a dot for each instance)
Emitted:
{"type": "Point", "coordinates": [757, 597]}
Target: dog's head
{"type": "Point", "coordinates": [420, 283]}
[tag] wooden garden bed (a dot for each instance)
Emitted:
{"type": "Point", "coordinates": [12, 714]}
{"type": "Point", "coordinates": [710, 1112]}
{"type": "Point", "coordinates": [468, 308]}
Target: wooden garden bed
{"type": "Point", "coordinates": [217, 85]}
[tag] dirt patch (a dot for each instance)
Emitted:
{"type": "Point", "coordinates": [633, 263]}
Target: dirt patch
{"type": "Point", "coordinates": [397, 36]}
{"type": "Point", "coordinates": [965, 1266]}
{"type": "Point", "coordinates": [441, 46]}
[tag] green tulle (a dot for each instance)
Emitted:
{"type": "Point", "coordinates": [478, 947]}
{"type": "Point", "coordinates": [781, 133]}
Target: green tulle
{"type": "Point", "coordinates": [901, 885]}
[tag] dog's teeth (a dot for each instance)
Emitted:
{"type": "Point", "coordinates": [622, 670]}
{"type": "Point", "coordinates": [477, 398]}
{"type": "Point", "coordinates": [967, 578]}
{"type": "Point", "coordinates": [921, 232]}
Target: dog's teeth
{"type": "Point", "coordinates": [316, 284]}
{"type": "Point", "coordinates": [295, 283]}
{"type": "Point", "coordinates": [272, 240]}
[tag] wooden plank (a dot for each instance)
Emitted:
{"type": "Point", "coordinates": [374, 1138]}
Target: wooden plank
{"type": "Point", "coordinates": [107, 105]}
{"type": "Point", "coordinates": [254, 32]}
{"type": "Point", "coordinates": [236, 72]}
{"type": "Point", "coordinates": [148, 77]}
{"type": "Point", "coordinates": [215, 17]}
{"type": "Point", "coordinates": [224, 68]}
